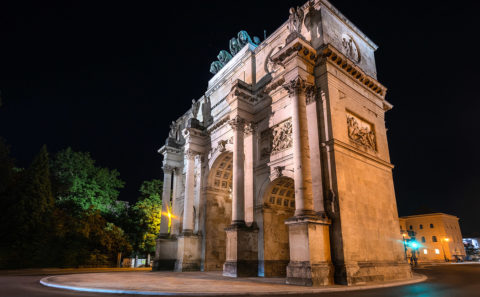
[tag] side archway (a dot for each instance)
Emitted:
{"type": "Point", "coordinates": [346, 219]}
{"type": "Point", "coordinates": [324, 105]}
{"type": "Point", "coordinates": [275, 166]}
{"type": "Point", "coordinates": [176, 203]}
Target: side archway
{"type": "Point", "coordinates": [218, 211]}
{"type": "Point", "coordinates": [278, 205]}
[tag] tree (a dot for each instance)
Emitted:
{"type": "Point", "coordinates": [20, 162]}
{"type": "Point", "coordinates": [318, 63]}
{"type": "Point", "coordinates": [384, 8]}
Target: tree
{"type": "Point", "coordinates": [78, 180]}
{"type": "Point", "coordinates": [26, 221]}
{"type": "Point", "coordinates": [147, 214]}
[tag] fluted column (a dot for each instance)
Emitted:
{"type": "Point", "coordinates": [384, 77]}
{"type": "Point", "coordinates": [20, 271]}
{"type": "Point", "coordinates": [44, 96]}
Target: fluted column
{"type": "Point", "coordinates": [189, 192]}
{"type": "Point", "coordinates": [238, 182]}
{"type": "Point", "coordinates": [167, 186]}
{"type": "Point", "coordinates": [294, 87]}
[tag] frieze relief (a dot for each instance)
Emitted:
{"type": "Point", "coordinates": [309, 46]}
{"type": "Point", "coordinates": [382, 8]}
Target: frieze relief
{"type": "Point", "coordinates": [276, 139]}
{"type": "Point", "coordinates": [361, 132]}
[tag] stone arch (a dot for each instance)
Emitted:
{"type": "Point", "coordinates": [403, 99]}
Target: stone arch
{"type": "Point", "coordinates": [278, 205]}
{"type": "Point", "coordinates": [218, 210]}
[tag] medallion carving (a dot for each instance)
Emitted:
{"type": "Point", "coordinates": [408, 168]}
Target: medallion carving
{"type": "Point", "coordinates": [361, 131]}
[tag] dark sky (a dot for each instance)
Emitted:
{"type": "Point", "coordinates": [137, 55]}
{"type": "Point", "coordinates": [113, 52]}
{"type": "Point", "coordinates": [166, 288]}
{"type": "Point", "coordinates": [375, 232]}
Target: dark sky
{"type": "Point", "coordinates": [109, 77]}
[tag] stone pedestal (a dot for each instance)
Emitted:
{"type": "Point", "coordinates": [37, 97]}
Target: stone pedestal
{"type": "Point", "coordinates": [310, 260]}
{"type": "Point", "coordinates": [165, 254]}
{"type": "Point", "coordinates": [242, 251]}
{"type": "Point", "coordinates": [188, 253]}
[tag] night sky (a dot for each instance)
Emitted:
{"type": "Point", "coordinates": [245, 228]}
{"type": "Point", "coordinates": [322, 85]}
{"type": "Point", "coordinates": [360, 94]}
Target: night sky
{"type": "Point", "coordinates": [109, 77]}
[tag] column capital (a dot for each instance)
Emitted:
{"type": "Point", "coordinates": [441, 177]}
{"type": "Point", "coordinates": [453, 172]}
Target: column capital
{"type": "Point", "coordinates": [190, 154]}
{"type": "Point", "coordinates": [310, 94]}
{"type": "Point", "coordinates": [237, 123]}
{"type": "Point", "coordinates": [250, 128]}
{"type": "Point", "coordinates": [296, 86]}
{"type": "Point", "coordinates": [168, 168]}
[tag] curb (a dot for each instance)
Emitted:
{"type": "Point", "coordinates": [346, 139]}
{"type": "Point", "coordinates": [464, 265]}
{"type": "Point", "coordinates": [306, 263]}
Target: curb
{"type": "Point", "coordinates": [416, 279]}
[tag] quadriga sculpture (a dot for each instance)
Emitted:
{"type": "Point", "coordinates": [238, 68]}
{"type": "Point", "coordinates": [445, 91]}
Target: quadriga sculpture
{"type": "Point", "coordinates": [224, 57]}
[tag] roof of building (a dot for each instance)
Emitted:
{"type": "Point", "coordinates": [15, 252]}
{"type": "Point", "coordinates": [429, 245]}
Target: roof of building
{"type": "Point", "coordinates": [428, 215]}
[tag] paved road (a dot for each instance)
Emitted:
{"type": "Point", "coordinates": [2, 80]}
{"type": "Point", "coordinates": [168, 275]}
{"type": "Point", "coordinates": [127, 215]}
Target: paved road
{"type": "Point", "coordinates": [444, 281]}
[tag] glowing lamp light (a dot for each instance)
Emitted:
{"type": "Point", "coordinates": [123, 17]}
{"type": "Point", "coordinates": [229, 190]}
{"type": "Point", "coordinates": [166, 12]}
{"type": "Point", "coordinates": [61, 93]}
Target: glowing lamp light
{"type": "Point", "coordinates": [414, 245]}
{"type": "Point", "coordinates": [447, 239]}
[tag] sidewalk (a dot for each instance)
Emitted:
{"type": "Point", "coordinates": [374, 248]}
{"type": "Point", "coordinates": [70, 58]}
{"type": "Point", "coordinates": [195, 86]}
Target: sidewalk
{"type": "Point", "coordinates": [193, 284]}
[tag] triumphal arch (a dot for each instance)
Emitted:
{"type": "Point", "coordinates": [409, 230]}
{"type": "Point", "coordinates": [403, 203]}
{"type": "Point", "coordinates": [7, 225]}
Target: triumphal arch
{"type": "Point", "coordinates": [282, 168]}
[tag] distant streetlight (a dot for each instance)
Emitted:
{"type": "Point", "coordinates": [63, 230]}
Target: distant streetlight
{"type": "Point", "coordinates": [446, 239]}
{"type": "Point", "coordinates": [405, 244]}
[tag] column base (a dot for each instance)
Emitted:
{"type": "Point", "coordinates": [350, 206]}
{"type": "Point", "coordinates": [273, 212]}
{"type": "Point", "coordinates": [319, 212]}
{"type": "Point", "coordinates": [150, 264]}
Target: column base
{"type": "Point", "coordinates": [188, 253]}
{"type": "Point", "coordinates": [310, 262]}
{"type": "Point", "coordinates": [165, 253]}
{"type": "Point", "coordinates": [306, 274]}
{"type": "Point", "coordinates": [242, 251]}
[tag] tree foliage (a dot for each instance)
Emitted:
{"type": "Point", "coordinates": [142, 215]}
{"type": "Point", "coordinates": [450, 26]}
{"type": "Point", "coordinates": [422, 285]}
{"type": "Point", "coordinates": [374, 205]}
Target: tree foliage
{"type": "Point", "coordinates": [64, 227]}
{"type": "Point", "coordinates": [78, 180]}
{"type": "Point", "coordinates": [146, 214]}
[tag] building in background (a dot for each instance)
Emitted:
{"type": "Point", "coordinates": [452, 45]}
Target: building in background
{"type": "Point", "coordinates": [438, 236]}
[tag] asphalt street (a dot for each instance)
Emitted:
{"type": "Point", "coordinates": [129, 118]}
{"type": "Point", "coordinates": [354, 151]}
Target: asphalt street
{"type": "Point", "coordinates": [443, 281]}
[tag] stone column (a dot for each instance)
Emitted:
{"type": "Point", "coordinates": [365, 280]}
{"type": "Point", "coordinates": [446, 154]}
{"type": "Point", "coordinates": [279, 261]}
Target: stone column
{"type": "Point", "coordinates": [189, 244]}
{"type": "Point", "coordinates": [189, 193]}
{"type": "Point", "coordinates": [167, 186]}
{"type": "Point", "coordinates": [165, 252]}
{"type": "Point", "coordinates": [242, 241]}
{"type": "Point", "coordinates": [294, 87]}
{"type": "Point", "coordinates": [238, 182]}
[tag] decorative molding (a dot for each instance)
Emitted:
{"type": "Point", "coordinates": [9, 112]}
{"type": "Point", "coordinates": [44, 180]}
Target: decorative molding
{"type": "Point", "coordinates": [277, 172]}
{"type": "Point", "coordinates": [237, 123]}
{"type": "Point", "coordinates": [310, 94]}
{"type": "Point", "coordinates": [296, 86]}
{"type": "Point", "coordinates": [168, 168]}
{"type": "Point", "coordinates": [250, 128]}
{"type": "Point", "coordinates": [190, 154]}
{"type": "Point", "coordinates": [218, 124]}
{"type": "Point", "coordinates": [273, 85]}
{"type": "Point", "coordinates": [361, 131]}
{"type": "Point", "coordinates": [329, 53]}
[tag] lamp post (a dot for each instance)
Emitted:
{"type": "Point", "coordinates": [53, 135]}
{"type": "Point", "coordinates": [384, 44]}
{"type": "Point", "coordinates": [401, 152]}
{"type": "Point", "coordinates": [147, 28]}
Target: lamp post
{"type": "Point", "coordinates": [446, 239]}
{"type": "Point", "coordinates": [404, 244]}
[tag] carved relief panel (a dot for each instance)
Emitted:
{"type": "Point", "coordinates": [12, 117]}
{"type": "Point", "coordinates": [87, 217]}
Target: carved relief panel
{"type": "Point", "coordinates": [361, 131]}
{"type": "Point", "coordinates": [276, 139]}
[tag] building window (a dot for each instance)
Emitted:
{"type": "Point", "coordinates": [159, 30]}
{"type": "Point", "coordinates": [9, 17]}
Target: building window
{"type": "Point", "coordinates": [411, 227]}
{"type": "Point", "coordinates": [425, 251]}
{"type": "Point", "coordinates": [434, 238]}
{"type": "Point", "coordinates": [431, 225]}
{"type": "Point", "coordinates": [437, 251]}
{"type": "Point", "coordinates": [423, 238]}
{"type": "Point", "coordinates": [421, 226]}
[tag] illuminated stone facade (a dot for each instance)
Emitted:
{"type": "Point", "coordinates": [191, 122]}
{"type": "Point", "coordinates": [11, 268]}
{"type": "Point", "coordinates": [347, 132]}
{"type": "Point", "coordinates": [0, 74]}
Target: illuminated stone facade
{"type": "Point", "coordinates": [282, 167]}
{"type": "Point", "coordinates": [438, 235]}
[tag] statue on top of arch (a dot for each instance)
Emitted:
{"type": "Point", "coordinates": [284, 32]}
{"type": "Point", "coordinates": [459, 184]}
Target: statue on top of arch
{"type": "Point", "coordinates": [235, 45]}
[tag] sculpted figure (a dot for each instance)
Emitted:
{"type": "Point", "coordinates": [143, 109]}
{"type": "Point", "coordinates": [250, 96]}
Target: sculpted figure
{"type": "Point", "coordinates": [195, 108]}
{"type": "Point", "coordinates": [215, 67]}
{"type": "Point", "coordinates": [256, 40]}
{"type": "Point", "coordinates": [224, 57]}
{"type": "Point", "coordinates": [295, 20]}
{"type": "Point", "coordinates": [243, 38]}
{"type": "Point", "coordinates": [234, 46]}
{"type": "Point", "coordinates": [173, 130]}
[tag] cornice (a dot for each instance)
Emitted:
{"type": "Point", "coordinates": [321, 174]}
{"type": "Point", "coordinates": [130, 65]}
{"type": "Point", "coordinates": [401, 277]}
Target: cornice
{"type": "Point", "coordinates": [336, 58]}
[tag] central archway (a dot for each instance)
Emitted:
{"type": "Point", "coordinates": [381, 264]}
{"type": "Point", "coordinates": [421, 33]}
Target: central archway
{"type": "Point", "coordinates": [278, 205]}
{"type": "Point", "coordinates": [218, 211]}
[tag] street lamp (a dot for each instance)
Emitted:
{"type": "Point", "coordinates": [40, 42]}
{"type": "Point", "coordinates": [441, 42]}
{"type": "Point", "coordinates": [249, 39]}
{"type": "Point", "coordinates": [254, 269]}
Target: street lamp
{"type": "Point", "coordinates": [405, 244]}
{"type": "Point", "coordinates": [446, 239]}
